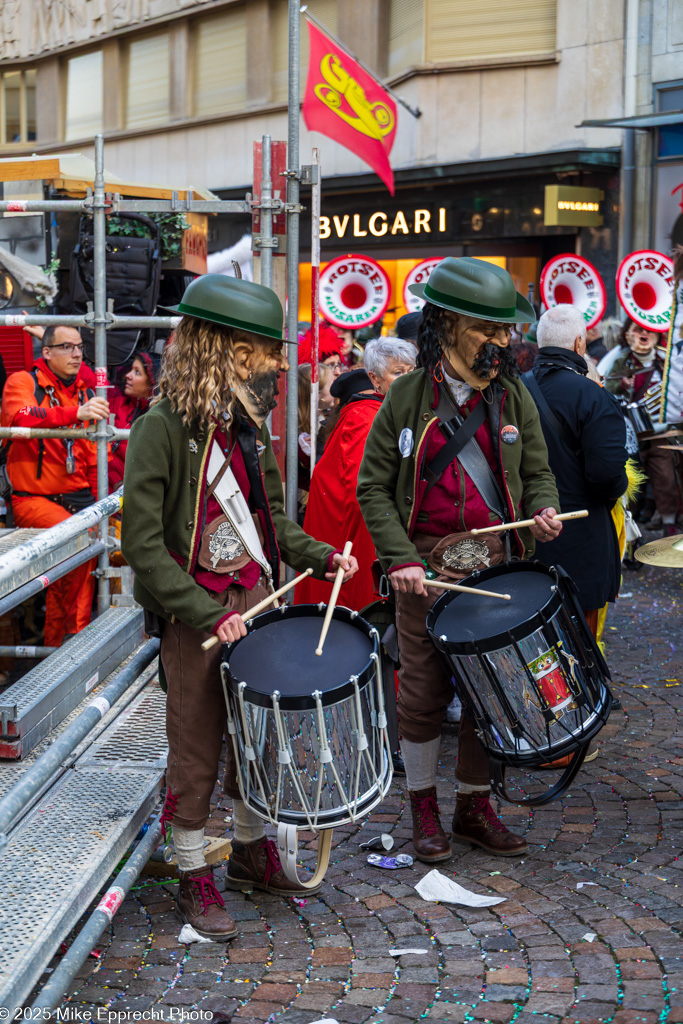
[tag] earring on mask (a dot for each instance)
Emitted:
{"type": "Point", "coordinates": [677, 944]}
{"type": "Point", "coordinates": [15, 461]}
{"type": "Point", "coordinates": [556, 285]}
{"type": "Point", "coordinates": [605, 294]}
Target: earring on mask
{"type": "Point", "coordinates": [438, 373]}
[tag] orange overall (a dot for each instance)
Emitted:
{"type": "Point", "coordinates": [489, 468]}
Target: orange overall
{"type": "Point", "coordinates": [37, 470]}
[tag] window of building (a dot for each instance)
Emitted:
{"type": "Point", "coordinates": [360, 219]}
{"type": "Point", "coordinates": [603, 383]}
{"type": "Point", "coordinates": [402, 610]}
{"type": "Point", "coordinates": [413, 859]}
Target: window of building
{"type": "Point", "coordinates": [220, 63]}
{"type": "Point", "coordinates": [324, 11]}
{"type": "Point", "coordinates": [669, 139]}
{"type": "Point", "coordinates": [148, 81]}
{"type": "Point", "coordinates": [406, 35]}
{"type": "Point", "coordinates": [17, 106]}
{"type": "Point", "coordinates": [465, 30]}
{"type": "Point", "coordinates": [83, 96]}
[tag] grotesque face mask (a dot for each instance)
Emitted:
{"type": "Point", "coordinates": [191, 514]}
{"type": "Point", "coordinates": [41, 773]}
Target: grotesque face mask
{"type": "Point", "coordinates": [478, 350]}
{"type": "Point", "coordinates": [258, 364]}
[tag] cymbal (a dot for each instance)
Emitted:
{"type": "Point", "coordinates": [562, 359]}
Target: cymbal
{"type": "Point", "coordinates": [668, 552]}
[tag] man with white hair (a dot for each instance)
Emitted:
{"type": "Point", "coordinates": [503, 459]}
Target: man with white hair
{"type": "Point", "coordinates": [586, 437]}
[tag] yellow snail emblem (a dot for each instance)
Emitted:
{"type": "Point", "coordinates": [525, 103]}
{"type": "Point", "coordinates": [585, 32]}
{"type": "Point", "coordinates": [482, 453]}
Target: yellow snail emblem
{"type": "Point", "coordinates": [372, 119]}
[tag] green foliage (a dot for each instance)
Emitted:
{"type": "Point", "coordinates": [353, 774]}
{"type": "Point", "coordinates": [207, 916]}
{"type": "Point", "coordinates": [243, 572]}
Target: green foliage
{"type": "Point", "coordinates": [50, 268]}
{"type": "Point", "coordinates": [172, 226]}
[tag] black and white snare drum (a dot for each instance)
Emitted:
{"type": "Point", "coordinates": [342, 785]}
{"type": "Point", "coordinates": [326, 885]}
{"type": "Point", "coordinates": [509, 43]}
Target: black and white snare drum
{"type": "Point", "coordinates": [309, 732]}
{"type": "Point", "coordinates": [528, 670]}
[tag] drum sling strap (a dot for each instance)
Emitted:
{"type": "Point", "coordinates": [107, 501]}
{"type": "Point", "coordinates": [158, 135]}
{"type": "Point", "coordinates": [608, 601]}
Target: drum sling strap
{"type": "Point", "coordinates": [461, 444]}
{"type": "Point", "coordinates": [547, 414]}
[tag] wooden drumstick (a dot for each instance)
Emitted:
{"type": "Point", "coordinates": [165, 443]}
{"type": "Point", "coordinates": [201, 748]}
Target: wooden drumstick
{"type": "Point", "coordinates": [333, 599]}
{"type": "Point", "coordinates": [260, 607]}
{"type": "Point", "coordinates": [563, 516]}
{"type": "Point", "coordinates": [464, 590]}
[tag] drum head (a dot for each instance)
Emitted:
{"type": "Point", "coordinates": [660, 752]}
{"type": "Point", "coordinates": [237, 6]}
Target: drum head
{"type": "Point", "coordinates": [466, 620]}
{"type": "Point", "coordinates": [279, 654]}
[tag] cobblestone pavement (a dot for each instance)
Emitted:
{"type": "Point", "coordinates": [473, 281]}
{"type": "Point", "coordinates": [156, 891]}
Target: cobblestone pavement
{"type": "Point", "coordinates": [589, 931]}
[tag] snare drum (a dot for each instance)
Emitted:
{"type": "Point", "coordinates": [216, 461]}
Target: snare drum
{"type": "Point", "coordinates": [528, 670]}
{"type": "Point", "coordinates": [636, 413]}
{"type": "Point", "coordinates": [309, 732]}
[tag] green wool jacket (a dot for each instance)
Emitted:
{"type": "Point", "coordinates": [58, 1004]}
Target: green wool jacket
{"type": "Point", "coordinates": [391, 483]}
{"type": "Point", "coordinates": [163, 510]}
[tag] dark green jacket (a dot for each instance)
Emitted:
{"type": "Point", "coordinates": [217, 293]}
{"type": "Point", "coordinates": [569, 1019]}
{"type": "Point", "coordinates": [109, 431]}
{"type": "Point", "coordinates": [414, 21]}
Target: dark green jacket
{"type": "Point", "coordinates": [163, 509]}
{"type": "Point", "coordinates": [391, 485]}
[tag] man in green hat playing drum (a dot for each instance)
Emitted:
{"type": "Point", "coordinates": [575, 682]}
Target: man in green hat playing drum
{"type": "Point", "coordinates": [201, 451]}
{"type": "Point", "coordinates": [421, 492]}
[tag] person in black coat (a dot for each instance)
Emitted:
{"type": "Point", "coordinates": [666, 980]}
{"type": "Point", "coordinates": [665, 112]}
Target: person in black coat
{"type": "Point", "coordinates": [586, 436]}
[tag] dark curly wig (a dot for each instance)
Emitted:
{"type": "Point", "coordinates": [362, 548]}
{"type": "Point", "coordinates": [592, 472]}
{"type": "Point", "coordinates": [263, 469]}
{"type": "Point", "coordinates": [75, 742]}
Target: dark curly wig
{"type": "Point", "coordinates": [433, 340]}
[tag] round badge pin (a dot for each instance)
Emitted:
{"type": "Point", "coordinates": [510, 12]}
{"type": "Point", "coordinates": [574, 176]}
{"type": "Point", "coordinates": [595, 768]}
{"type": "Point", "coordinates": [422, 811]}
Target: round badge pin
{"type": "Point", "coordinates": [509, 434]}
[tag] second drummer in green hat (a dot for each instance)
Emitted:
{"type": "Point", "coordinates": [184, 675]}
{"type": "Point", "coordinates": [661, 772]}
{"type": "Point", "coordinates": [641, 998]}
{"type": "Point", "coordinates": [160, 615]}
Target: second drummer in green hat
{"type": "Point", "coordinates": [204, 530]}
{"type": "Point", "coordinates": [456, 445]}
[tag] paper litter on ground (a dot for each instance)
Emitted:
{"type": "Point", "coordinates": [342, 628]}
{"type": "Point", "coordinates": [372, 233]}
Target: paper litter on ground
{"type": "Point", "coordinates": [435, 886]}
{"type": "Point", "coordinates": [325, 1020]}
{"type": "Point", "coordinates": [188, 934]}
{"type": "Point", "coordinates": [580, 885]}
{"type": "Point", "coordinates": [588, 937]}
{"type": "Point", "coordinates": [400, 952]}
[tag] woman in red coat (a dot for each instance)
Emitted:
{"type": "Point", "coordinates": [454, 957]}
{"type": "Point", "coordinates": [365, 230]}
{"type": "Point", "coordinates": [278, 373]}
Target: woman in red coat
{"type": "Point", "coordinates": [333, 511]}
{"type": "Point", "coordinates": [129, 403]}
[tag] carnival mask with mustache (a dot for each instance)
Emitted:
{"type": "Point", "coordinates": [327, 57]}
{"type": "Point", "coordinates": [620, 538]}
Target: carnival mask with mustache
{"type": "Point", "coordinates": [478, 350]}
{"type": "Point", "coordinates": [258, 363]}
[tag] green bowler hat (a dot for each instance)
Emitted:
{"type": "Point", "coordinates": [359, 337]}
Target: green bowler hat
{"type": "Point", "coordinates": [233, 302]}
{"type": "Point", "coordinates": [476, 288]}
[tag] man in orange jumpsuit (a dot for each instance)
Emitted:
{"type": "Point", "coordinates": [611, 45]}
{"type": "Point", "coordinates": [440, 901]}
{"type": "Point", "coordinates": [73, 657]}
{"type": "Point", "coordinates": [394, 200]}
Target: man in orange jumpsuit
{"type": "Point", "coordinates": [53, 478]}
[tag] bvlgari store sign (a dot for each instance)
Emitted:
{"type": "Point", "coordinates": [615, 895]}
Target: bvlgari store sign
{"type": "Point", "coordinates": [378, 223]}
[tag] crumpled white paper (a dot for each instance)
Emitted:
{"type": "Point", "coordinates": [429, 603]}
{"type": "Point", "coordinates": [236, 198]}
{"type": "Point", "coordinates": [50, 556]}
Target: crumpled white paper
{"type": "Point", "coordinates": [435, 886]}
{"type": "Point", "coordinates": [325, 1020]}
{"type": "Point", "coordinates": [188, 934]}
{"type": "Point", "coordinates": [589, 937]}
{"type": "Point", "coordinates": [400, 952]}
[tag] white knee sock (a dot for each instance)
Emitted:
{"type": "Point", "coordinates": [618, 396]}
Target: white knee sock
{"type": "Point", "coordinates": [420, 760]}
{"type": "Point", "coordinates": [247, 825]}
{"type": "Point", "coordinates": [189, 848]}
{"type": "Point", "coordinates": [464, 787]}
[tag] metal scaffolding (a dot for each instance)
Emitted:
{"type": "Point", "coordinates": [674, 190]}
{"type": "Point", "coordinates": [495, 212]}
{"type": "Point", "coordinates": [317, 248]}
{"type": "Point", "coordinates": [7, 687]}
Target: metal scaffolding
{"type": "Point", "coordinates": [99, 204]}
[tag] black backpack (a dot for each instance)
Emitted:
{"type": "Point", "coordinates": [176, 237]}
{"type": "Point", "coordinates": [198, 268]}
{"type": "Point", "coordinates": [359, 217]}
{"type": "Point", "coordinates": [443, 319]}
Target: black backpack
{"type": "Point", "coordinates": [133, 279]}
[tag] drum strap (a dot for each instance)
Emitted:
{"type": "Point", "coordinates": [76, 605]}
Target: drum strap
{"type": "Point", "coordinates": [547, 414]}
{"type": "Point", "coordinates": [287, 842]}
{"type": "Point", "coordinates": [498, 786]}
{"type": "Point", "coordinates": [462, 445]}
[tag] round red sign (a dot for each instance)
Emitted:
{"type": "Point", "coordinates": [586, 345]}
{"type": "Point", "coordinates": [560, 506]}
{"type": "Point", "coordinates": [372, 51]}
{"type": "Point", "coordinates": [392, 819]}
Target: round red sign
{"type": "Point", "coordinates": [645, 288]}
{"type": "Point", "coordinates": [354, 291]}
{"type": "Point", "coordinates": [418, 275]}
{"type": "Point", "coordinates": [572, 279]}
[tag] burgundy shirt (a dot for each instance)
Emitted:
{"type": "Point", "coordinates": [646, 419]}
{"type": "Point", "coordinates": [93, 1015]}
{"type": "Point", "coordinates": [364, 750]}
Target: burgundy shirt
{"type": "Point", "coordinates": [454, 504]}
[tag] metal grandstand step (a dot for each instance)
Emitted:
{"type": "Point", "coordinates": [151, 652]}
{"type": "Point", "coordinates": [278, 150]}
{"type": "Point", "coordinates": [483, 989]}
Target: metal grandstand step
{"type": "Point", "coordinates": [61, 854]}
{"type": "Point", "coordinates": [35, 565]}
{"type": "Point", "coordinates": [33, 706]}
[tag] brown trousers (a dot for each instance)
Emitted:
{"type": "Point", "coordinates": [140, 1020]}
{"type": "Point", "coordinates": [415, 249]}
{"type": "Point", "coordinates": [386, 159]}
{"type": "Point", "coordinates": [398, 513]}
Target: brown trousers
{"type": "Point", "coordinates": [425, 690]}
{"type": "Point", "coordinates": [196, 715]}
{"type": "Point", "coordinates": [659, 465]}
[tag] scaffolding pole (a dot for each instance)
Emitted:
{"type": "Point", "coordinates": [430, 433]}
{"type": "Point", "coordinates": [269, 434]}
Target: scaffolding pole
{"type": "Point", "coordinates": [100, 325]}
{"type": "Point", "coordinates": [293, 211]}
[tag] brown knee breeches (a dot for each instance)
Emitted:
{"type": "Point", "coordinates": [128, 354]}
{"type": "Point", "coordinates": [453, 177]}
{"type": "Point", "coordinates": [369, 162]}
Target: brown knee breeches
{"type": "Point", "coordinates": [195, 714]}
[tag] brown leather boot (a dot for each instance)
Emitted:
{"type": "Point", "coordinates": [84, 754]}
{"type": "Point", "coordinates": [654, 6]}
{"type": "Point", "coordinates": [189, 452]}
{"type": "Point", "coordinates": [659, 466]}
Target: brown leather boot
{"type": "Point", "coordinates": [429, 839]}
{"type": "Point", "coordinates": [475, 822]}
{"type": "Point", "coordinates": [257, 866]}
{"type": "Point", "coordinates": [201, 905]}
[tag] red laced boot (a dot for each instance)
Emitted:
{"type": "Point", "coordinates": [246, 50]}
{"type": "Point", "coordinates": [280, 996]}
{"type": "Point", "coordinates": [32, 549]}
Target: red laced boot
{"type": "Point", "coordinates": [429, 839]}
{"type": "Point", "coordinates": [475, 822]}
{"type": "Point", "coordinates": [200, 904]}
{"type": "Point", "coordinates": [257, 866]}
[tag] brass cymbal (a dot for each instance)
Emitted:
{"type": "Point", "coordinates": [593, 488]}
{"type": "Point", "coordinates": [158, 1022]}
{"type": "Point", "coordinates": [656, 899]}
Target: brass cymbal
{"type": "Point", "coordinates": [668, 552]}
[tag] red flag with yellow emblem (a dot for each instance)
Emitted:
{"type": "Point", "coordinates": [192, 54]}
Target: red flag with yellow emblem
{"type": "Point", "coordinates": [346, 103]}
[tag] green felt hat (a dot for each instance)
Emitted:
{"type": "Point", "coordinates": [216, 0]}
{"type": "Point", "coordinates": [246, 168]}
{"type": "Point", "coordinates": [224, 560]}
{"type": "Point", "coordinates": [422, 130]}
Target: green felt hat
{"type": "Point", "coordinates": [476, 288]}
{"type": "Point", "coordinates": [234, 303]}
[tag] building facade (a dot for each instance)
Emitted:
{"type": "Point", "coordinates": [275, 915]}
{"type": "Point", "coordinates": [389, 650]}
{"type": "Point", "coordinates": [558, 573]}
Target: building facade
{"type": "Point", "coordinates": [182, 88]}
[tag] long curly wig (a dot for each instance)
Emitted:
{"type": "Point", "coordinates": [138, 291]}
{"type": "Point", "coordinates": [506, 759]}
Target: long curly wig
{"type": "Point", "coordinates": [433, 339]}
{"type": "Point", "coordinates": [197, 372]}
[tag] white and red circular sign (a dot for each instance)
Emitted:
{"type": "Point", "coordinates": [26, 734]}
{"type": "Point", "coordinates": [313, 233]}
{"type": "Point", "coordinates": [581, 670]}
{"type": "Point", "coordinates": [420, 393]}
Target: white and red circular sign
{"type": "Point", "coordinates": [354, 291]}
{"type": "Point", "coordinates": [645, 288]}
{"type": "Point", "coordinates": [418, 275]}
{"type": "Point", "coordinates": [572, 279]}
